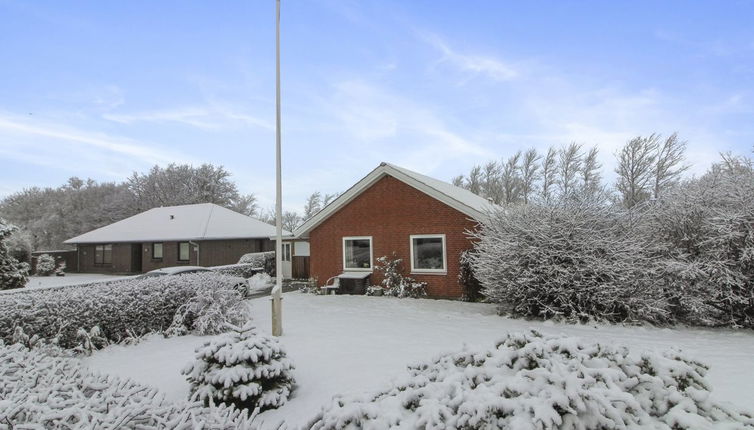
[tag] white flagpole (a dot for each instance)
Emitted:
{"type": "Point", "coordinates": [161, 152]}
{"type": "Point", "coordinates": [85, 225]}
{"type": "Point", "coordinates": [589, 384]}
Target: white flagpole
{"type": "Point", "coordinates": [277, 305]}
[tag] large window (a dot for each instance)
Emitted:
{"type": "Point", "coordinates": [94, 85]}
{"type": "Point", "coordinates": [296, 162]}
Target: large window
{"type": "Point", "coordinates": [157, 251]}
{"type": "Point", "coordinates": [103, 254]}
{"type": "Point", "coordinates": [183, 251]}
{"type": "Point", "coordinates": [428, 253]}
{"type": "Point", "coordinates": [357, 253]}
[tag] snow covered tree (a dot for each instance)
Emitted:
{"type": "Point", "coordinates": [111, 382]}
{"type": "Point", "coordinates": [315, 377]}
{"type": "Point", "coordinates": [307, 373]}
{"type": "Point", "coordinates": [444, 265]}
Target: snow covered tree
{"type": "Point", "coordinates": [569, 166]}
{"type": "Point", "coordinates": [241, 368]}
{"type": "Point", "coordinates": [668, 164]}
{"type": "Point", "coordinates": [549, 174]}
{"type": "Point", "coordinates": [530, 173]}
{"type": "Point", "coordinates": [45, 265]}
{"type": "Point", "coordinates": [12, 273]}
{"type": "Point", "coordinates": [510, 179]}
{"type": "Point", "coordinates": [578, 260]}
{"type": "Point", "coordinates": [590, 173]}
{"type": "Point", "coordinates": [313, 205]}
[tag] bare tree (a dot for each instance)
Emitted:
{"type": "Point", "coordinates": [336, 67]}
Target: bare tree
{"type": "Point", "coordinates": [668, 166]}
{"type": "Point", "coordinates": [529, 173]}
{"type": "Point", "coordinates": [590, 172]}
{"type": "Point", "coordinates": [474, 181]}
{"type": "Point", "coordinates": [458, 181]}
{"type": "Point", "coordinates": [313, 205]}
{"type": "Point", "coordinates": [491, 181]}
{"type": "Point", "coordinates": [636, 165]}
{"type": "Point", "coordinates": [569, 166]}
{"type": "Point", "coordinates": [510, 181]}
{"type": "Point", "coordinates": [291, 220]}
{"type": "Point", "coordinates": [246, 204]}
{"type": "Point", "coordinates": [549, 174]}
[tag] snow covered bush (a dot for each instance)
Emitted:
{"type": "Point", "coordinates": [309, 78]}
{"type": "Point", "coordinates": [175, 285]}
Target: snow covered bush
{"type": "Point", "coordinates": [394, 282]}
{"type": "Point", "coordinates": [472, 289]}
{"type": "Point", "coordinates": [60, 270]}
{"type": "Point", "coordinates": [45, 265]}
{"type": "Point", "coordinates": [245, 270]}
{"type": "Point", "coordinates": [12, 273]}
{"type": "Point", "coordinates": [209, 311]}
{"type": "Point", "coordinates": [576, 260]}
{"type": "Point", "coordinates": [704, 238]}
{"type": "Point", "coordinates": [532, 382]}
{"type": "Point", "coordinates": [264, 260]}
{"type": "Point", "coordinates": [41, 390]}
{"type": "Point", "coordinates": [242, 368]}
{"type": "Point", "coordinates": [121, 308]}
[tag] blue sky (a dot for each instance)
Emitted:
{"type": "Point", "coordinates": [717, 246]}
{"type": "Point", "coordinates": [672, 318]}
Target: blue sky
{"type": "Point", "coordinates": [99, 90]}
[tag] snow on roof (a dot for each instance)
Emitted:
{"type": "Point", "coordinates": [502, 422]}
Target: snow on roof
{"type": "Point", "coordinates": [458, 198]}
{"type": "Point", "coordinates": [204, 221]}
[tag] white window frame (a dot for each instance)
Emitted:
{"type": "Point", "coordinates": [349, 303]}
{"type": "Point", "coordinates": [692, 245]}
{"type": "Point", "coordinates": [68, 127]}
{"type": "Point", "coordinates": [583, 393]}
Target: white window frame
{"type": "Point", "coordinates": [442, 271]}
{"type": "Point", "coordinates": [286, 251]}
{"type": "Point", "coordinates": [371, 254]}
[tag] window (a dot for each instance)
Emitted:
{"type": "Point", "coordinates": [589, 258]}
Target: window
{"type": "Point", "coordinates": [157, 251]}
{"type": "Point", "coordinates": [357, 253]}
{"type": "Point", "coordinates": [286, 252]}
{"type": "Point", "coordinates": [103, 254]}
{"type": "Point", "coordinates": [428, 253]}
{"type": "Point", "coordinates": [183, 251]}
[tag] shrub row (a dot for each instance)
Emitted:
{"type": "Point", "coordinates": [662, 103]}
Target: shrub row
{"type": "Point", "coordinates": [121, 309]}
{"type": "Point", "coordinates": [245, 270]}
{"type": "Point", "coordinates": [38, 390]}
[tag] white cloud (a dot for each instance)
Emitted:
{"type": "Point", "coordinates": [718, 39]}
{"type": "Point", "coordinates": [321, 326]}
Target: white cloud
{"type": "Point", "coordinates": [487, 65]}
{"type": "Point", "coordinates": [208, 117]}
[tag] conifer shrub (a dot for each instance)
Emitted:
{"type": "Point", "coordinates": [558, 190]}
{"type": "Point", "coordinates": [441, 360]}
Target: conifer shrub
{"type": "Point", "coordinates": [243, 368]}
{"type": "Point", "coordinates": [45, 265]}
{"type": "Point", "coordinates": [13, 274]}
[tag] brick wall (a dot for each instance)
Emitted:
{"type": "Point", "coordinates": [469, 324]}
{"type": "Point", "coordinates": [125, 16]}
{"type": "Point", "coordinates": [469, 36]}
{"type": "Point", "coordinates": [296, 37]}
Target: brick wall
{"type": "Point", "coordinates": [121, 262]}
{"type": "Point", "coordinates": [390, 211]}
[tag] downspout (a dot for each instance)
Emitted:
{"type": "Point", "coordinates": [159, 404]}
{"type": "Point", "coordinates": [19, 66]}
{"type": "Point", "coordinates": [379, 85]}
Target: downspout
{"type": "Point", "coordinates": [191, 242]}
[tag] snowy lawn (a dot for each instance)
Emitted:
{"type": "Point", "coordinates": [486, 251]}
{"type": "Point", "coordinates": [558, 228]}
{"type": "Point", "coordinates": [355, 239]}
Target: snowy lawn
{"type": "Point", "coordinates": [347, 344]}
{"type": "Point", "coordinates": [69, 279]}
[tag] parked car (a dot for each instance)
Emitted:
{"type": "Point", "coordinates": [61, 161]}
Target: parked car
{"type": "Point", "coordinates": [240, 284]}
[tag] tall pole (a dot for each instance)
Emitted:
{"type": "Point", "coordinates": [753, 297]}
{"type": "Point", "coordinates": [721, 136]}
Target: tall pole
{"type": "Point", "coordinates": [277, 304]}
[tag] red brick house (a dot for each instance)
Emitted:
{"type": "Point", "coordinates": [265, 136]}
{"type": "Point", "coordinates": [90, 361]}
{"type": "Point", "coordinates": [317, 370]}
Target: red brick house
{"type": "Point", "coordinates": [392, 209]}
{"type": "Point", "coordinates": [194, 235]}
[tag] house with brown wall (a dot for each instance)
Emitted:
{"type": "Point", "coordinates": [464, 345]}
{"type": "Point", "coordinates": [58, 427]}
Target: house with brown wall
{"type": "Point", "coordinates": [394, 210]}
{"type": "Point", "coordinates": [194, 235]}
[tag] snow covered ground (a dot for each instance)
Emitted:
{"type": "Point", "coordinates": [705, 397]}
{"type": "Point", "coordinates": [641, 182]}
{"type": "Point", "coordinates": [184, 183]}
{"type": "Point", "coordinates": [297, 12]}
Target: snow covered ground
{"type": "Point", "coordinates": [343, 344]}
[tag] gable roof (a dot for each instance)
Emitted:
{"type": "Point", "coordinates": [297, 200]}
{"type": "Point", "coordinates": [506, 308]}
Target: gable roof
{"type": "Point", "coordinates": [458, 198]}
{"type": "Point", "coordinates": [204, 221]}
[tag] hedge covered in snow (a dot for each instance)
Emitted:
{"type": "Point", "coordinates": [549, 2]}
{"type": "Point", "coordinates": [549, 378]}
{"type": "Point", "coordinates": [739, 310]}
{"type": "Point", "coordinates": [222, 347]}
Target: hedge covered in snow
{"type": "Point", "coordinates": [43, 391]}
{"type": "Point", "coordinates": [245, 270]}
{"type": "Point", "coordinates": [121, 309]}
{"type": "Point", "coordinates": [578, 260]}
{"type": "Point", "coordinates": [243, 368]}
{"type": "Point", "coordinates": [265, 260]}
{"type": "Point", "coordinates": [531, 382]}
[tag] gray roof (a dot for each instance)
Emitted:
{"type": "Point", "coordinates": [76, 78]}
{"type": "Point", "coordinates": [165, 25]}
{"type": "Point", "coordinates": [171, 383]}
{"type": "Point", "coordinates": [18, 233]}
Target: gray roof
{"type": "Point", "coordinates": [463, 200]}
{"type": "Point", "coordinates": [205, 221]}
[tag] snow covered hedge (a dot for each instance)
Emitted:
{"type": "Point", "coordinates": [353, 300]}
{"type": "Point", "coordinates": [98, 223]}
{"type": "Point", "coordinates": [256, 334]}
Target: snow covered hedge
{"type": "Point", "coordinates": [120, 309]}
{"type": "Point", "coordinates": [243, 368]}
{"type": "Point", "coordinates": [45, 265]}
{"type": "Point", "coordinates": [38, 390]}
{"type": "Point", "coordinates": [265, 260]}
{"type": "Point", "coordinates": [246, 270]}
{"type": "Point", "coordinates": [532, 382]}
{"type": "Point", "coordinates": [577, 260]}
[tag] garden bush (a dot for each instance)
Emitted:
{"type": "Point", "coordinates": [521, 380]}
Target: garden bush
{"type": "Point", "coordinates": [209, 311]}
{"type": "Point", "coordinates": [41, 390]}
{"type": "Point", "coordinates": [246, 270]}
{"type": "Point", "coordinates": [45, 265]}
{"type": "Point", "coordinates": [265, 260]}
{"type": "Point", "coordinates": [121, 309]}
{"type": "Point", "coordinates": [532, 382]}
{"type": "Point", "coordinates": [577, 260]}
{"type": "Point", "coordinates": [472, 288]}
{"type": "Point", "coordinates": [394, 282]}
{"type": "Point", "coordinates": [242, 368]}
{"type": "Point", "coordinates": [12, 273]}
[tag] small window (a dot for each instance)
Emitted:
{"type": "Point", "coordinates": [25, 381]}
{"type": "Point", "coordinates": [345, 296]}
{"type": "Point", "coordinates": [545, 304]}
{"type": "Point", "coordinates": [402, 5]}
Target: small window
{"type": "Point", "coordinates": [157, 251]}
{"type": "Point", "coordinates": [286, 252]}
{"type": "Point", "coordinates": [357, 253]}
{"type": "Point", "coordinates": [183, 251]}
{"type": "Point", "coordinates": [428, 253]}
{"type": "Point", "coordinates": [103, 254]}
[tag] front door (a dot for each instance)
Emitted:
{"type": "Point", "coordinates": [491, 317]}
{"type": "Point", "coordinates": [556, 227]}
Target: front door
{"type": "Point", "coordinates": [136, 254]}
